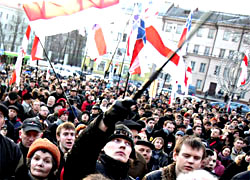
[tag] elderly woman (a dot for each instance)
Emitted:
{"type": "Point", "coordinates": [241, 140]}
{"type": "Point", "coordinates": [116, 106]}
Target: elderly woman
{"type": "Point", "coordinates": [159, 157]}
{"type": "Point", "coordinates": [43, 160]}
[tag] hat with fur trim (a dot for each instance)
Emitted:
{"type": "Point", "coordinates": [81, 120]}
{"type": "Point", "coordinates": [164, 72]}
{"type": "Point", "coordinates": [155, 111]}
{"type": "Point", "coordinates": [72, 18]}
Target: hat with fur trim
{"type": "Point", "coordinates": [45, 144]}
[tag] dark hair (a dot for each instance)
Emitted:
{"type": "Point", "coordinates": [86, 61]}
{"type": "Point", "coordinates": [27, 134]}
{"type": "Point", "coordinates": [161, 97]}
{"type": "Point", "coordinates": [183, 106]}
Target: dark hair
{"type": "Point", "coordinates": [193, 142]}
{"type": "Point", "coordinates": [196, 127]}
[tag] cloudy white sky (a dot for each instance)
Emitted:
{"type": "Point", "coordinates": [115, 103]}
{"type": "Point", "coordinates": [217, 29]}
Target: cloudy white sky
{"type": "Point", "coordinates": [230, 6]}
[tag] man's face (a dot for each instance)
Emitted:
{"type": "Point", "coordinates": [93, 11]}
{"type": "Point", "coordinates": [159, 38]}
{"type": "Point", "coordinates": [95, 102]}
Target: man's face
{"type": "Point", "coordinates": [198, 131]}
{"type": "Point", "coordinates": [66, 139]}
{"type": "Point", "coordinates": [145, 151]}
{"type": "Point", "coordinates": [141, 112]}
{"type": "Point", "coordinates": [58, 90]}
{"type": "Point", "coordinates": [207, 126]}
{"type": "Point", "coordinates": [188, 159]}
{"type": "Point", "coordinates": [118, 149]}
{"type": "Point", "coordinates": [85, 117]}
{"type": "Point", "coordinates": [235, 123]}
{"type": "Point", "coordinates": [64, 117]}
{"type": "Point", "coordinates": [170, 127]}
{"type": "Point", "coordinates": [12, 113]}
{"type": "Point", "coordinates": [50, 102]}
{"type": "Point", "coordinates": [29, 137]}
{"type": "Point", "coordinates": [1, 119]}
{"type": "Point", "coordinates": [186, 121]}
{"type": "Point", "coordinates": [215, 133]}
{"type": "Point", "coordinates": [151, 124]}
{"type": "Point", "coordinates": [44, 111]}
{"type": "Point", "coordinates": [211, 163]}
{"type": "Point", "coordinates": [36, 106]}
{"type": "Point", "coordinates": [238, 145]}
{"type": "Point", "coordinates": [94, 111]}
{"type": "Point", "coordinates": [178, 121]}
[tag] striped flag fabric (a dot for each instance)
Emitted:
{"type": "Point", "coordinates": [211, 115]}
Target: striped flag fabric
{"type": "Point", "coordinates": [50, 17]}
{"type": "Point", "coordinates": [188, 77]}
{"type": "Point", "coordinates": [243, 74]}
{"type": "Point", "coordinates": [15, 78]}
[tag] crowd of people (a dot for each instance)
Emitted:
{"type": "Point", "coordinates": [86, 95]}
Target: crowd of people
{"type": "Point", "coordinates": [83, 129]}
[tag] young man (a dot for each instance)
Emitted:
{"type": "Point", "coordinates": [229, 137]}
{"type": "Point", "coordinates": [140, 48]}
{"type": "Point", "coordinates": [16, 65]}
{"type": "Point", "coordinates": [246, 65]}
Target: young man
{"type": "Point", "coordinates": [237, 148]}
{"type": "Point", "coordinates": [65, 135]}
{"type": "Point", "coordinates": [188, 155]}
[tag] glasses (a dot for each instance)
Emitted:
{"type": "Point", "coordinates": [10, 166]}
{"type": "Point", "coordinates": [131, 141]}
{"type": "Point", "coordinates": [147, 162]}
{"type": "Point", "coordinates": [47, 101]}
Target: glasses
{"type": "Point", "coordinates": [123, 132]}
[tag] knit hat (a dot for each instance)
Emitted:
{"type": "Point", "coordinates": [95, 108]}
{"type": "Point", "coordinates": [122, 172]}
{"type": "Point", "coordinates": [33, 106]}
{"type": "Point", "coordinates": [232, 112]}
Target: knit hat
{"type": "Point", "coordinates": [122, 131]}
{"type": "Point", "coordinates": [47, 145]}
{"type": "Point", "coordinates": [62, 111]}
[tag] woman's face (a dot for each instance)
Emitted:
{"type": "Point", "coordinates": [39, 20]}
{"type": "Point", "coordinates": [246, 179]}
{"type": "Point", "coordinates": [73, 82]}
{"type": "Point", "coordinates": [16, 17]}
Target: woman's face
{"type": "Point", "coordinates": [158, 144]}
{"type": "Point", "coordinates": [41, 164]}
{"type": "Point", "coordinates": [226, 152]}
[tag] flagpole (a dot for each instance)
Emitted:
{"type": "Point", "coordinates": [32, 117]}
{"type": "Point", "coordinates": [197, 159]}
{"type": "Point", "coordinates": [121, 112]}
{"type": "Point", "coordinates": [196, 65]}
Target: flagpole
{"type": "Point", "coordinates": [59, 82]}
{"type": "Point", "coordinates": [126, 86]}
{"type": "Point", "coordinates": [140, 91]}
{"type": "Point", "coordinates": [120, 73]}
{"type": "Point", "coordinates": [113, 55]}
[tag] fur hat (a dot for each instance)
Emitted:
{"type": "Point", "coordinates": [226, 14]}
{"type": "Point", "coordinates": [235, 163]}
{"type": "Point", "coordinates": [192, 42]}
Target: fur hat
{"type": "Point", "coordinates": [47, 145]}
{"type": "Point", "coordinates": [13, 95]}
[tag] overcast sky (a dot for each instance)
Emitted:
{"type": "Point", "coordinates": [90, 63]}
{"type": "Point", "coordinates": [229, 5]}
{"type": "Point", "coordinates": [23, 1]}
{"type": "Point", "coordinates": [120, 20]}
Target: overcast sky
{"type": "Point", "coordinates": [230, 6]}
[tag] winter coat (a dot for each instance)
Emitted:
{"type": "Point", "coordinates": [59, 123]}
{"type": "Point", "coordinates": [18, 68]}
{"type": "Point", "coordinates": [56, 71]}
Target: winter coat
{"type": "Point", "coordinates": [138, 167]}
{"type": "Point", "coordinates": [234, 168]}
{"type": "Point", "coordinates": [10, 158]}
{"type": "Point", "coordinates": [159, 159]}
{"type": "Point", "coordinates": [225, 160]}
{"type": "Point", "coordinates": [24, 174]}
{"type": "Point", "coordinates": [86, 150]}
{"type": "Point", "coordinates": [167, 173]}
{"type": "Point", "coordinates": [242, 176]}
{"type": "Point", "coordinates": [169, 140]}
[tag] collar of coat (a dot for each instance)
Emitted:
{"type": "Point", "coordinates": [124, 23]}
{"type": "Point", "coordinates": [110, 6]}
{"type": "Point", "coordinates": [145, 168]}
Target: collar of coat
{"type": "Point", "coordinates": [168, 173]}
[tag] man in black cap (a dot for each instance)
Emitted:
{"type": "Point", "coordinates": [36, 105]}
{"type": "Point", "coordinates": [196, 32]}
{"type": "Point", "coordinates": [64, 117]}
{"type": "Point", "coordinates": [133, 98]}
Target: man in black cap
{"type": "Point", "coordinates": [10, 154]}
{"type": "Point", "coordinates": [30, 131]}
{"type": "Point", "coordinates": [12, 100]}
{"type": "Point", "coordinates": [27, 100]}
{"type": "Point", "coordinates": [73, 95]}
{"type": "Point", "coordinates": [95, 111]}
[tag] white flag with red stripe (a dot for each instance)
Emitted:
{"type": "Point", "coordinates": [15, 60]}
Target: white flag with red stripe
{"type": "Point", "coordinates": [50, 17]}
{"type": "Point", "coordinates": [188, 78]}
{"type": "Point", "coordinates": [15, 78]}
{"type": "Point", "coordinates": [243, 74]}
{"type": "Point", "coordinates": [37, 49]}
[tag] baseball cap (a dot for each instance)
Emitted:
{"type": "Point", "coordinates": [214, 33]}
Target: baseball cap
{"type": "Point", "coordinates": [32, 124]}
{"type": "Point", "coordinates": [180, 133]}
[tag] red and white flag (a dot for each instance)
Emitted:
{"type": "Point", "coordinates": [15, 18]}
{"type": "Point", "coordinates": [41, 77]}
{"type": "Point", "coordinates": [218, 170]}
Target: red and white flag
{"type": "Point", "coordinates": [50, 17]}
{"type": "Point", "coordinates": [15, 78]}
{"type": "Point", "coordinates": [37, 49]}
{"type": "Point", "coordinates": [188, 78]}
{"type": "Point", "coordinates": [243, 74]}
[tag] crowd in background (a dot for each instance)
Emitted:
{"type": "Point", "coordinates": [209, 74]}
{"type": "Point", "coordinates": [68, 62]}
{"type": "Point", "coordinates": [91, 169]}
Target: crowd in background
{"type": "Point", "coordinates": [60, 110]}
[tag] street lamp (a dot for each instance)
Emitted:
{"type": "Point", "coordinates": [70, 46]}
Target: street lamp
{"type": "Point", "coordinates": [229, 76]}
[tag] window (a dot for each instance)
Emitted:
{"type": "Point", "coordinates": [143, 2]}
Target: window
{"type": "Point", "coordinates": [119, 52]}
{"type": "Point", "coordinates": [192, 65]}
{"type": "Point", "coordinates": [211, 33]}
{"type": "Point", "coordinates": [9, 38]}
{"type": "Point", "coordinates": [199, 32]}
{"type": "Point", "coordinates": [169, 27]}
{"type": "Point", "coordinates": [124, 38]}
{"type": "Point", "coordinates": [217, 70]}
{"type": "Point", "coordinates": [101, 66]}
{"type": "Point", "coordinates": [1, 13]}
{"type": "Point", "coordinates": [236, 37]}
{"type": "Point", "coordinates": [118, 37]}
{"type": "Point", "coordinates": [11, 27]}
{"type": "Point", "coordinates": [7, 16]}
{"type": "Point", "coordinates": [222, 53]}
{"type": "Point", "coordinates": [196, 49]}
{"type": "Point", "coordinates": [13, 17]}
{"type": "Point", "coordinates": [198, 84]}
{"type": "Point", "coordinates": [202, 67]}
{"type": "Point", "coordinates": [207, 51]}
{"type": "Point", "coordinates": [125, 70]}
{"type": "Point", "coordinates": [226, 35]}
{"type": "Point", "coordinates": [225, 73]}
{"type": "Point", "coordinates": [231, 54]}
{"type": "Point", "coordinates": [179, 29]}
{"type": "Point", "coordinates": [5, 26]}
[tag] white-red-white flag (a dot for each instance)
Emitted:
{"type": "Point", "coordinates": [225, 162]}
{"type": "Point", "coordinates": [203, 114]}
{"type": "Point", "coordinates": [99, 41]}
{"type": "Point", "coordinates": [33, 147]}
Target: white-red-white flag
{"type": "Point", "coordinates": [243, 74]}
{"type": "Point", "coordinates": [50, 17]}
{"type": "Point", "coordinates": [188, 78]}
{"type": "Point", "coordinates": [37, 49]}
{"type": "Point", "coordinates": [15, 78]}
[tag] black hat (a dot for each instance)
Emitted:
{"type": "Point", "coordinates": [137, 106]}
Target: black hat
{"type": "Point", "coordinates": [27, 96]}
{"type": "Point", "coordinates": [132, 124]}
{"type": "Point", "coordinates": [122, 131]}
{"type": "Point", "coordinates": [96, 107]}
{"type": "Point", "coordinates": [57, 104]}
{"type": "Point", "coordinates": [32, 124]}
{"type": "Point", "coordinates": [13, 95]}
{"type": "Point", "coordinates": [145, 143]}
{"type": "Point", "coordinates": [4, 109]}
{"type": "Point", "coordinates": [14, 107]}
{"type": "Point", "coordinates": [32, 80]}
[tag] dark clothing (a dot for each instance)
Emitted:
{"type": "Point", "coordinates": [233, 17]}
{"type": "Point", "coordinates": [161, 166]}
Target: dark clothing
{"type": "Point", "coordinates": [225, 160]}
{"type": "Point", "coordinates": [169, 140]}
{"type": "Point", "coordinates": [87, 106]}
{"type": "Point", "coordinates": [242, 176]}
{"type": "Point", "coordinates": [86, 151]}
{"type": "Point", "coordinates": [24, 151]}
{"type": "Point", "coordinates": [167, 173]}
{"type": "Point", "coordinates": [215, 144]}
{"type": "Point", "coordinates": [234, 168]}
{"type": "Point", "coordinates": [159, 159]}
{"type": "Point", "coordinates": [10, 158]}
{"type": "Point", "coordinates": [138, 167]}
{"type": "Point", "coordinates": [20, 107]}
{"type": "Point", "coordinates": [23, 173]}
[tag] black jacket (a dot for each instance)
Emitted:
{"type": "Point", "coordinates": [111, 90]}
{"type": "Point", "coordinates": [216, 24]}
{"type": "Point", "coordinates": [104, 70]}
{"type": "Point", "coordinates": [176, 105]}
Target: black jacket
{"type": "Point", "coordinates": [242, 176]}
{"type": "Point", "coordinates": [159, 159]}
{"type": "Point", "coordinates": [86, 152]}
{"type": "Point", "coordinates": [10, 158]}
